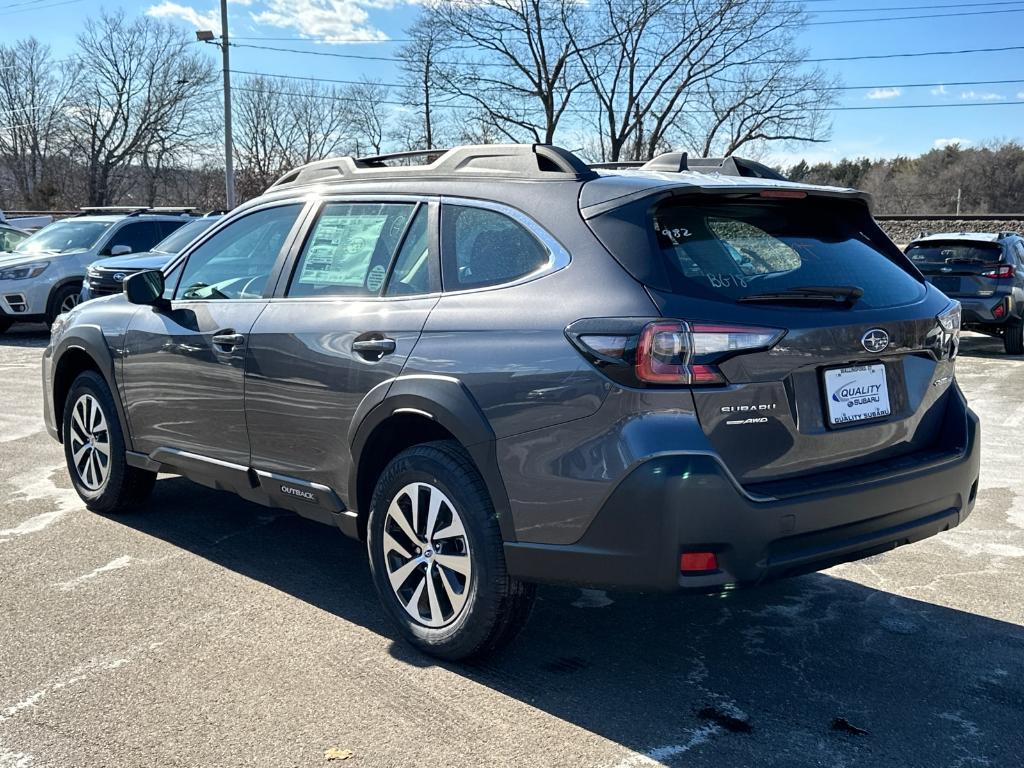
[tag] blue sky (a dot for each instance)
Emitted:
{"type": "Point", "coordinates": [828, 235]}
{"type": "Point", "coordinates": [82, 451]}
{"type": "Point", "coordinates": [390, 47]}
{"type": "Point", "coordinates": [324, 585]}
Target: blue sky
{"type": "Point", "coordinates": [882, 133]}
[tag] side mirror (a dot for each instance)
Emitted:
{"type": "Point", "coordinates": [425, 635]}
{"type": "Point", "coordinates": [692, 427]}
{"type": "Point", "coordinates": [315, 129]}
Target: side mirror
{"type": "Point", "coordinates": [146, 288]}
{"type": "Point", "coordinates": [120, 250]}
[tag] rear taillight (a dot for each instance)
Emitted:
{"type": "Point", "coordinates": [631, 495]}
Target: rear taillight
{"type": "Point", "coordinates": [949, 323]}
{"type": "Point", "coordinates": [666, 352]}
{"type": "Point", "coordinates": [683, 353]}
{"type": "Point", "coordinates": [1002, 272]}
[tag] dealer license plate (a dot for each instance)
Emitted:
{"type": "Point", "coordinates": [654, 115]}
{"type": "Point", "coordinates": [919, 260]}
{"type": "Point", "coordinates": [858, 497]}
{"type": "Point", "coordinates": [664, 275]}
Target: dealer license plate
{"type": "Point", "coordinates": [856, 393]}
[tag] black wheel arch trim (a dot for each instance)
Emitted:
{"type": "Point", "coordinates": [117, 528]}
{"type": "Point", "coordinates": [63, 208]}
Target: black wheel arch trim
{"type": "Point", "coordinates": [90, 341]}
{"type": "Point", "coordinates": [447, 401]}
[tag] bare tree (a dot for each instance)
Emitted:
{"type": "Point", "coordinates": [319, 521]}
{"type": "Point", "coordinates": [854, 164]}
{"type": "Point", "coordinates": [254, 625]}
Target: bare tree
{"type": "Point", "coordinates": [139, 80]}
{"type": "Point", "coordinates": [321, 122]}
{"type": "Point", "coordinates": [653, 64]}
{"type": "Point", "coordinates": [370, 116]}
{"type": "Point", "coordinates": [514, 60]}
{"type": "Point", "coordinates": [420, 66]}
{"type": "Point", "coordinates": [770, 103]}
{"type": "Point", "coordinates": [34, 99]}
{"type": "Point", "coordinates": [261, 133]}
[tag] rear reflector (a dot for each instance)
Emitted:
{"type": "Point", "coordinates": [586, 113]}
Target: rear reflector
{"type": "Point", "coordinates": [998, 311]}
{"type": "Point", "coordinates": [698, 561]}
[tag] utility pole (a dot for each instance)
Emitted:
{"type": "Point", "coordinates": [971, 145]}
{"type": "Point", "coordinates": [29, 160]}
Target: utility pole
{"type": "Point", "coordinates": [229, 164]}
{"type": "Point", "coordinates": [958, 191]}
{"type": "Point", "coordinates": [207, 36]}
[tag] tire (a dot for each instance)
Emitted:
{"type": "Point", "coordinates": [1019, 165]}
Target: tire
{"type": "Point", "coordinates": [106, 484]}
{"type": "Point", "coordinates": [452, 624]}
{"type": "Point", "coordinates": [62, 299]}
{"type": "Point", "coordinates": [4, 325]}
{"type": "Point", "coordinates": [1013, 339]}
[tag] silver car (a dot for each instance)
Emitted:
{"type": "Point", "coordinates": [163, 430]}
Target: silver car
{"type": "Point", "coordinates": [42, 276]}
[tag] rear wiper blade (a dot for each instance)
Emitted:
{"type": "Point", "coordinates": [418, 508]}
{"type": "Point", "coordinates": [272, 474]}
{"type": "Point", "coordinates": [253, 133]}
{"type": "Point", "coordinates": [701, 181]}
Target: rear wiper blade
{"type": "Point", "coordinates": [836, 294]}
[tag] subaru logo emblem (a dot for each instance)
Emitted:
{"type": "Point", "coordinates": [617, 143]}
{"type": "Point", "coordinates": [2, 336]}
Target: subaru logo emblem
{"type": "Point", "coordinates": [875, 340]}
{"type": "Point", "coordinates": [119, 277]}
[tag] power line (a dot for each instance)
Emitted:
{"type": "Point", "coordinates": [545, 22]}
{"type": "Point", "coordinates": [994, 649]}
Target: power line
{"type": "Point", "coordinates": [332, 97]}
{"type": "Point", "coordinates": [917, 54]}
{"type": "Point", "coordinates": [914, 7]}
{"type": "Point", "coordinates": [729, 82]}
{"type": "Point", "coordinates": [867, 57]}
{"type": "Point", "coordinates": [39, 7]}
{"type": "Point", "coordinates": [908, 18]}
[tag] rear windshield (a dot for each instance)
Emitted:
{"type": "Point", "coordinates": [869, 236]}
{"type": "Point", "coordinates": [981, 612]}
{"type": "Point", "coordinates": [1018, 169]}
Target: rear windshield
{"type": "Point", "coordinates": [736, 249]}
{"type": "Point", "coordinates": [940, 254]}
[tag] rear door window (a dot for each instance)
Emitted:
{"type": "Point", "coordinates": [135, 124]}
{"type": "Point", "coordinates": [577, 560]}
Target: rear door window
{"type": "Point", "coordinates": [482, 247]}
{"type": "Point", "coordinates": [736, 249]}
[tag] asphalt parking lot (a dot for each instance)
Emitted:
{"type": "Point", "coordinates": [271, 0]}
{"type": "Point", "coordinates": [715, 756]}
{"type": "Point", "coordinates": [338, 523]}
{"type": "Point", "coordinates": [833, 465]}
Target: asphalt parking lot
{"type": "Point", "coordinates": [207, 631]}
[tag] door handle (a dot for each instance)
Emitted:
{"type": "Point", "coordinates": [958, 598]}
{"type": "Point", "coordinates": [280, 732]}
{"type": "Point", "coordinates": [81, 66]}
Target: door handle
{"type": "Point", "coordinates": [373, 348]}
{"type": "Point", "coordinates": [228, 340]}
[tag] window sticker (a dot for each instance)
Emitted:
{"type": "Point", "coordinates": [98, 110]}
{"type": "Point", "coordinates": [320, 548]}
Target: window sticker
{"type": "Point", "coordinates": [341, 249]}
{"type": "Point", "coordinates": [376, 278]}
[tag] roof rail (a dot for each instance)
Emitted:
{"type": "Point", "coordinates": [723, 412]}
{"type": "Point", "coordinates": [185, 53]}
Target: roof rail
{"type": "Point", "coordinates": [127, 210]}
{"type": "Point", "coordinates": [615, 165]}
{"type": "Point", "coordinates": [678, 162]}
{"type": "Point", "coordinates": [520, 161]}
{"type": "Point", "coordinates": [171, 209]}
{"type": "Point", "coordinates": [734, 166]}
{"type": "Point", "coordinates": [669, 162]}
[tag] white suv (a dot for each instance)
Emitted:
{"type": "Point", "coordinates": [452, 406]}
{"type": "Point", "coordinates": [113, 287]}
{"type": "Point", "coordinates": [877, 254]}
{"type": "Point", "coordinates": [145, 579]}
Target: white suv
{"type": "Point", "coordinates": [42, 276]}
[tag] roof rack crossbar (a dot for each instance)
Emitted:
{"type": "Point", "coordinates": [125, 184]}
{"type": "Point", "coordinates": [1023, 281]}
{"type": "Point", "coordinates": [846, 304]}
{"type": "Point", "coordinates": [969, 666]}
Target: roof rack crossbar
{"type": "Point", "coordinates": [380, 161]}
{"type": "Point", "coordinates": [523, 161]}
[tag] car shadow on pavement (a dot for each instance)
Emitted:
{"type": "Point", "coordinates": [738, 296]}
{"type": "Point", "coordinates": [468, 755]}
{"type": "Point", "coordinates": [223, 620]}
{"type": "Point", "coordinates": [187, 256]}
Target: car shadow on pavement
{"type": "Point", "coordinates": [782, 675]}
{"type": "Point", "coordinates": [33, 335]}
{"type": "Point", "coordinates": [989, 347]}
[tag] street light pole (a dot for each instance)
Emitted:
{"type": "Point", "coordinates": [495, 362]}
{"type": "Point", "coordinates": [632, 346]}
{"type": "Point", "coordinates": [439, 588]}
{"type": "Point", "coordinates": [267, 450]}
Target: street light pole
{"type": "Point", "coordinates": [229, 165]}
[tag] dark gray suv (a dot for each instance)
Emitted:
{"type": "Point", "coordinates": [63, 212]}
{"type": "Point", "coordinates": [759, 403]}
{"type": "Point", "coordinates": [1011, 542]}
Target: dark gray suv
{"type": "Point", "coordinates": [983, 271]}
{"type": "Point", "coordinates": [506, 367]}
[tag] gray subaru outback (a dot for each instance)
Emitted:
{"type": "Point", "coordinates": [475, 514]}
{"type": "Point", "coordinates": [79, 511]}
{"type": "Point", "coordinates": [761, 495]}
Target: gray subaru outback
{"type": "Point", "coordinates": [504, 367]}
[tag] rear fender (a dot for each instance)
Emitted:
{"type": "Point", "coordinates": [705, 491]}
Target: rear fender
{"type": "Point", "coordinates": [448, 402]}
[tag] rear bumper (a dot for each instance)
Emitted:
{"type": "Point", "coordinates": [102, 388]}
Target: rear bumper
{"type": "Point", "coordinates": [689, 502]}
{"type": "Point", "coordinates": [978, 312]}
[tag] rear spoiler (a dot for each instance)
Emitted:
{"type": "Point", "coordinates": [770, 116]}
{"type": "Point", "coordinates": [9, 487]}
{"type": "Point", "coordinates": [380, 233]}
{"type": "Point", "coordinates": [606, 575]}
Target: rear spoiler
{"type": "Point", "coordinates": [591, 206]}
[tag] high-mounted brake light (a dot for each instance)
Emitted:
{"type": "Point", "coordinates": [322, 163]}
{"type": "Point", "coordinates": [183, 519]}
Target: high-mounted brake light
{"type": "Point", "coordinates": [1002, 272]}
{"type": "Point", "coordinates": [792, 194]}
{"type": "Point", "coordinates": [672, 352]}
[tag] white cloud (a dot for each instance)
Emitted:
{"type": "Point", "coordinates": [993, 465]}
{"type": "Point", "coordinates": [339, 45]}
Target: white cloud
{"type": "Point", "coordinates": [329, 20]}
{"type": "Point", "coordinates": [883, 93]}
{"type": "Point", "coordinates": [984, 96]}
{"type": "Point", "coordinates": [940, 91]}
{"type": "Point", "coordinates": [943, 143]}
{"type": "Point", "coordinates": [176, 12]}
{"type": "Point", "coordinates": [1020, 94]}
